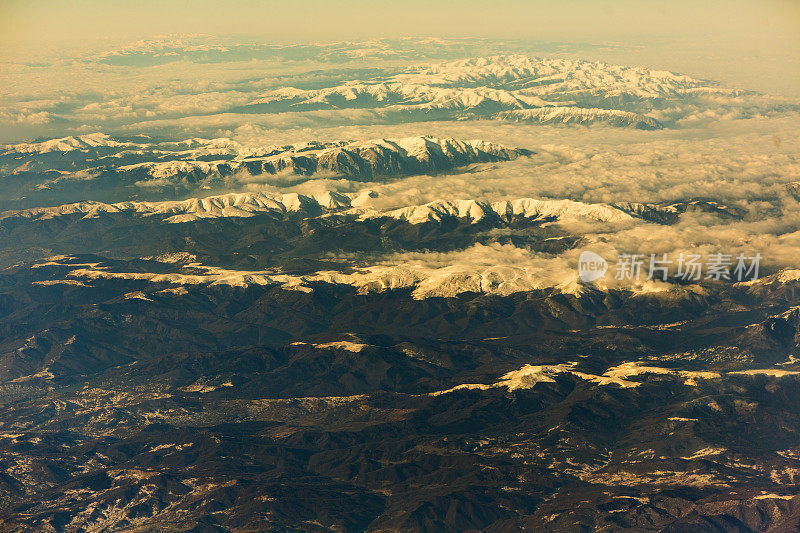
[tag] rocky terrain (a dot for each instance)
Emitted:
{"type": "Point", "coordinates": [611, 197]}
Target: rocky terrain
{"type": "Point", "coordinates": [217, 364]}
{"type": "Point", "coordinates": [236, 332]}
{"type": "Point", "coordinates": [140, 404]}
{"type": "Point", "coordinates": [97, 166]}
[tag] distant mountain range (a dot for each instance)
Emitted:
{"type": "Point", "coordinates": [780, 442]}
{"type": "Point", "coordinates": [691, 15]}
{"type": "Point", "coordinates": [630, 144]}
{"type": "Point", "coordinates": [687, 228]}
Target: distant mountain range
{"type": "Point", "coordinates": [516, 87]}
{"type": "Point", "coordinates": [374, 82]}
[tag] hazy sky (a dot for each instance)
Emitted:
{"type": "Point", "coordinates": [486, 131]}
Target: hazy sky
{"type": "Point", "coordinates": [752, 43]}
{"type": "Point", "coordinates": [36, 22]}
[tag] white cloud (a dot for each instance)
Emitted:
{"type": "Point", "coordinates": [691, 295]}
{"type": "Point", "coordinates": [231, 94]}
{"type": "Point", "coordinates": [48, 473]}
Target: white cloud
{"type": "Point", "coordinates": [717, 152]}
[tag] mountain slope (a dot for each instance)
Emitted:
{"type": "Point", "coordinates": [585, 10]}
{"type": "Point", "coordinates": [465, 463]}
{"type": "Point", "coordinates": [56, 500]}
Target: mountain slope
{"type": "Point", "coordinates": [100, 167]}
{"type": "Point", "coordinates": [515, 87]}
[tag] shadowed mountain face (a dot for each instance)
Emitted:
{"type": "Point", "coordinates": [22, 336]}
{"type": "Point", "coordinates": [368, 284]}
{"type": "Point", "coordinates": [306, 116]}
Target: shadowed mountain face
{"type": "Point", "coordinates": [141, 404]}
{"type": "Point", "coordinates": [232, 333]}
{"type": "Point", "coordinates": [162, 393]}
{"type": "Point", "coordinates": [99, 167]}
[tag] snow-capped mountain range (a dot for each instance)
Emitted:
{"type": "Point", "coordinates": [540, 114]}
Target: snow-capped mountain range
{"type": "Point", "coordinates": [503, 269]}
{"type": "Point", "coordinates": [365, 160]}
{"type": "Point", "coordinates": [257, 203]}
{"type": "Point", "coordinates": [206, 49]}
{"type": "Point", "coordinates": [211, 322]}
{"type": "Point", "coordinates": [559, 79]}
{"type": "Point", "coordinates": [103, 166]}
{"type": "Point", "coordinates": [391, 82]}
{"type": "Point", "coordinates": [410, 155]}
{"type": "Point", "coordinates": [422, 280]}
{"type": "Point", "coordinates": [83, 143]}
{"type": "Point", "coordinates": [512, 87]}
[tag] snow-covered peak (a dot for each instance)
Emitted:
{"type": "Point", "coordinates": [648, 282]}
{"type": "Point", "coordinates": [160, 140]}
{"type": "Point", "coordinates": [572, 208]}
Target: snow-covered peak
{"type": "Point", "coordinates": [68, 144]}
{"type": "Point", "coordinates": [504, 271]}
{"type": "Point", "coordinates": [363, 159]}
{"type": "Point", "coordinates": [528, 208]}
{"type": "Point", "coordinates": [220, 206]}
{"type": "Point", "coordinates": [582, 116]}
{"type": "Point", "coordinates": [518, 87]}
{"type": "Point", "coordinates": [438, 210]}
{"type": "Point", "coordinates": [552, 75]}
{"type": "Point", "coordinates": [249, 204]}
